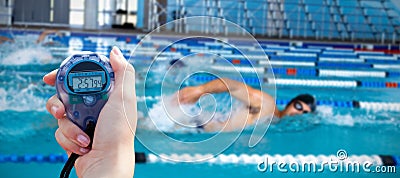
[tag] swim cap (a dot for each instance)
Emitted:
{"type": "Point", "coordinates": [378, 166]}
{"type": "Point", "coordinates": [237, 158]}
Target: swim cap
{"type": "Point", "coordinates": [305, 98]}
{"type": "Point", "coordinates": [177, 63]}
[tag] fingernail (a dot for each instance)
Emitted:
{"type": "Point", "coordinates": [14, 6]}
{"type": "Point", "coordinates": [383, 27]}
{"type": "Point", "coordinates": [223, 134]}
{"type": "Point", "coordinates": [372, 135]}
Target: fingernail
{"type": "Point", "coordinates": [54, 109]}
{"type": "Point", "coordinates": [83, 150]}
{"type": "Point", "coordinates": [116, 51]}
{"type": "Point", "coordinates": [83, 140]}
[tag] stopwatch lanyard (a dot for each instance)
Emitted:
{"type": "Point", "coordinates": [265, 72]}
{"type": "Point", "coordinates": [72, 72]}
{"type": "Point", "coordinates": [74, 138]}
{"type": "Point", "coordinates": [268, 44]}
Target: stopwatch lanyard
{"type": "Point", "coordinates": [71, 160]}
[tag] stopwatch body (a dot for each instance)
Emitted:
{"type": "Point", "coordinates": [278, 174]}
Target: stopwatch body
{"type": "Point", "coordinates": [84, 83]}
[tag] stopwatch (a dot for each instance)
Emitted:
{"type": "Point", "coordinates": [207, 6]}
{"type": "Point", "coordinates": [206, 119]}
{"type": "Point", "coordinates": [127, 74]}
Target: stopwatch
{"type": "Point", "coordinates": [84, 83]}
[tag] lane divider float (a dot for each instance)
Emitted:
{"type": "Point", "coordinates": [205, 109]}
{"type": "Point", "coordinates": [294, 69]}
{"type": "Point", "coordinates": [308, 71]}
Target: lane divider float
{"type": "Point", "coordinates": [241, 159]}
{"type": "Point", "coordinates": [254, 81]}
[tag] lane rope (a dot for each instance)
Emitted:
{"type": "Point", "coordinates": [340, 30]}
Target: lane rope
{"type": "Point", "coordinates": [242, 159]}
{"type": "Point", "coordinates": [254, 81]}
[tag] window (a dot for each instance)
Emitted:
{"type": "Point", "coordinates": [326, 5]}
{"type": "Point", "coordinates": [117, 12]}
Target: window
{"type": "Point", "coordinates": [76, 14]}
{"type": "Point", "coordinates": [105, 12]}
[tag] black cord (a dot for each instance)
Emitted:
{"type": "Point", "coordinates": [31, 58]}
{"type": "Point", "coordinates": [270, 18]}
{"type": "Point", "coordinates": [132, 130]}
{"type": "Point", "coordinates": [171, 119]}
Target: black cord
{"type": "Point", "coordinates": [71, 160]}
{"type": "Point", "coordinates": [68, 165]}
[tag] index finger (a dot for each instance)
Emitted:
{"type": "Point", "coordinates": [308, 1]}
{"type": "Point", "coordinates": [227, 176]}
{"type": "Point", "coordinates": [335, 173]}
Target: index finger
{"type": "Point", "coordinates": [50, 78]}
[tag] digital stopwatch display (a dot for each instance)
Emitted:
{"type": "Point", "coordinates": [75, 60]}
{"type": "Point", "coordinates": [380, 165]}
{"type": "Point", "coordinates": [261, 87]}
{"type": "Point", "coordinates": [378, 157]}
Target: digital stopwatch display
{"type": "Point", "coordinates": [87, 81]}
{"type": "Point", "coordinates": [86, 78]}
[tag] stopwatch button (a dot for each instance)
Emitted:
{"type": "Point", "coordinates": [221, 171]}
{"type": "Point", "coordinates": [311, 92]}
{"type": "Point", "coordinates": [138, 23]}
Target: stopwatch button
{"type": "Point", "coordinates": [76, 114]}
{"type": "Point", "coordinates": [61, 78]}
{"type": "Point", "coordinates": [89, 100]}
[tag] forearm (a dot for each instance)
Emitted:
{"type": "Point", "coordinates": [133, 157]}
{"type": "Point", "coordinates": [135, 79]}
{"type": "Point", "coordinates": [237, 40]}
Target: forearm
{"type": "Point", "coordinates": [222, 85]}
{"type": "Point", "coordinates": [239, 90]}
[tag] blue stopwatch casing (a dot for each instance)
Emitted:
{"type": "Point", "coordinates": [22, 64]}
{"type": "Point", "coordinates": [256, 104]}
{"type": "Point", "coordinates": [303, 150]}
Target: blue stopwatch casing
{"type": "Point", "coordinates": [84, 83]}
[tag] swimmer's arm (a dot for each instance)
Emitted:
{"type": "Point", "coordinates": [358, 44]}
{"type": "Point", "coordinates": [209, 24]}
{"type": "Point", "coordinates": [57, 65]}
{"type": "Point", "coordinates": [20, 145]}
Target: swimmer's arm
{"type": "Point", "coordinates": [239, 90]}
{"type": "Point", "coordinates": [3, 38]}
{"type": "Point", "coordinates": [43, 35]}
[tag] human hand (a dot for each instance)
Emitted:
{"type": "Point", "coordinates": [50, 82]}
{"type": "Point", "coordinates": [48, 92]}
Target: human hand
{"type": "Point", "coordinates": [189, 94]}
{"type": "Point", "coordinates": [112, 151]}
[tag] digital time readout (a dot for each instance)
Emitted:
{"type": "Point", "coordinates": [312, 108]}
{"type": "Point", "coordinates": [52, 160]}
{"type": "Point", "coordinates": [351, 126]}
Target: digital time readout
{"type": "Point", "coordinates": [86, 82]}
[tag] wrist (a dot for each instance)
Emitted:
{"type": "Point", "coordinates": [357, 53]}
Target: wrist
{"type": "Point", "coordinates": [116, 162]}
{"type": "Point", "coordinates": [123, 162]}
{"type": "Point", "coordinates": [202, 89]}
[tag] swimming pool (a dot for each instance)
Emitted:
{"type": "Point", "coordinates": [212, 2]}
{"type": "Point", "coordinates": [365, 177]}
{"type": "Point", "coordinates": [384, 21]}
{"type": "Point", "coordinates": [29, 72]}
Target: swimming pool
{"type": "Point", "coordinates": [356, 90]}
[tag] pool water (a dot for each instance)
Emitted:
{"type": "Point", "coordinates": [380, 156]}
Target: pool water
{"type": "Point", "coordinates": [27, 129]}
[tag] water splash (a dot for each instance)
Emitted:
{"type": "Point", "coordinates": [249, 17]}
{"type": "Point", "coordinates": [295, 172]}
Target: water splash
{"type": "Point", "coordinates": [185, 117]}
{"type": "Point", "coordinates": [31, 55]}
{"type": "Point", "coordinates": [329, 117]}
{"type": "Point", "coordinates": [356, 117]}
{"type": "Point", "coordinates": [25, 99]}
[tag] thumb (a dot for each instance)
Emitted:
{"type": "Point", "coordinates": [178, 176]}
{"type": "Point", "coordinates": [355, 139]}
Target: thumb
{"type": "Point", "coordinates": [123, 71]}
{"type": "Point", "coordinates": [124, 92]}
{"type": "Point", "coordinates": [118, 117]}
{"type": "Point", "coordinates": [124, 86]}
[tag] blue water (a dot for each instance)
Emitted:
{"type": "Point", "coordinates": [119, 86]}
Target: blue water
{"type": "Point", "coordinates": [316, 140]}
{"type": "Point", "coordinates": [26, 127]}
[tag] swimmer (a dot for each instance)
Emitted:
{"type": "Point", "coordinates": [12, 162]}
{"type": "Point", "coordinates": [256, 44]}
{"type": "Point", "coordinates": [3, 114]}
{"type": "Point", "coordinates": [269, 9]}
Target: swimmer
{"type": "Point", "coordinates": [4, 39]}
{"type": "Point", "coordinates": [258, 104]}
{"type": "Point", "coordinates": [49, 37]}
{"type": "Point", "coordinates": [112, 151]}
{"type": "Point", "coordinates": [176, 63]}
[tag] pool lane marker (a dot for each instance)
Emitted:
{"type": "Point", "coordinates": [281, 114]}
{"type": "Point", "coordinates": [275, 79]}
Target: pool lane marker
{"type": "Point", "coordinates": [242, 159]}
{"type": "Point", "coordinates": [254, 81]}
{"type": "Point", "coordinates": [331, 73]}
{"type": "Point", "coordinates": [307, 72]}
{"type": "Point", "coordinates": [321, 65]}
{"type": "Point", "coordinates": [377, 106]}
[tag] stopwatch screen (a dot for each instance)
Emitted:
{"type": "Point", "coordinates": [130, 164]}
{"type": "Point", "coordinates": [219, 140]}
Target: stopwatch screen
{"type": "Point", "coordinates": [87, 81]}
